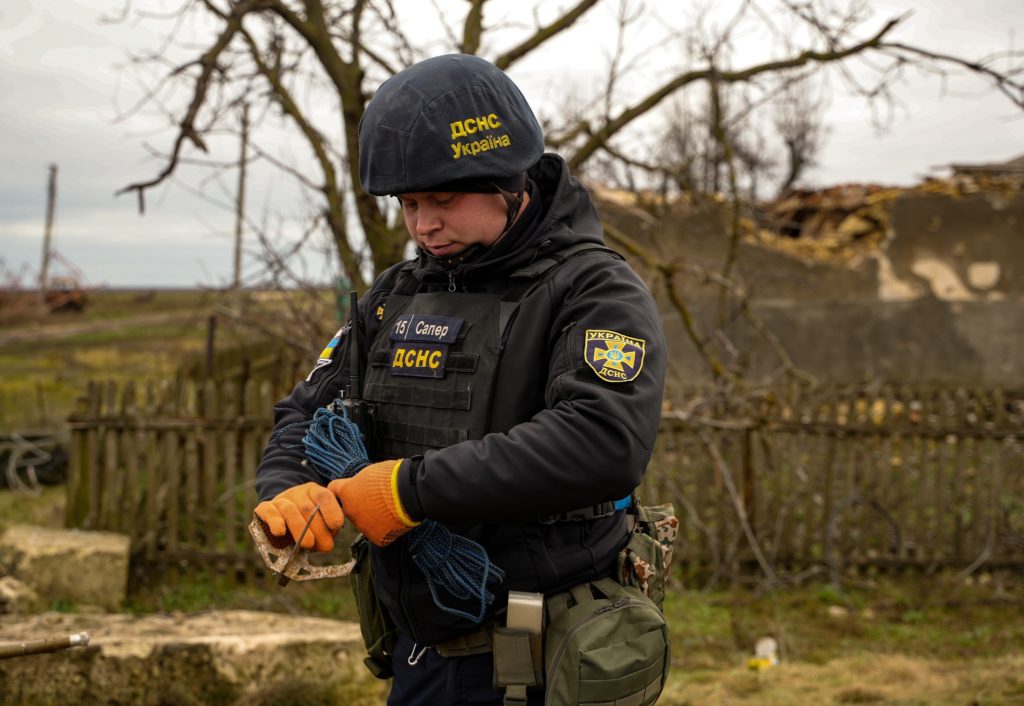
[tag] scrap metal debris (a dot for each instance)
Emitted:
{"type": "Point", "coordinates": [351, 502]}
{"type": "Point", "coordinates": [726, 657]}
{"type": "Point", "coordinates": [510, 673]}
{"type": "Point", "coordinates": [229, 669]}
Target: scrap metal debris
{"type": "Point", "coordinates": [282, 557]}
{"type": "Point", "coordinates": [43, 645]}
{"type": "Point", "coordinates": [31, 460]}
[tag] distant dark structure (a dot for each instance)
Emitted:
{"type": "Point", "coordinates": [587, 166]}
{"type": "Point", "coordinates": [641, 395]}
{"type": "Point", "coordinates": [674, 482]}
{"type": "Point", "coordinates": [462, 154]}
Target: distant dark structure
{"type": "Point", "coordinates": [1013, 168]}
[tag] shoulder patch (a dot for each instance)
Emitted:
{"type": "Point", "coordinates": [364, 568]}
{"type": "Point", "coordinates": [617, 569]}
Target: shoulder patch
{"type": "Point", "coordinates": [613, 356]}
{"type": "Point", "coordinates": [328, 352]}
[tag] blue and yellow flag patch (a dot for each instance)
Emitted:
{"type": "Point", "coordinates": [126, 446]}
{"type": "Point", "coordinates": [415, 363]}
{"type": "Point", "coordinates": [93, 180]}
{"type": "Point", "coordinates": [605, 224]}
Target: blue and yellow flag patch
{"type": "Point", "coordinates": [328, 352]}
{"type": "Point", "coordinates": [613, 356]}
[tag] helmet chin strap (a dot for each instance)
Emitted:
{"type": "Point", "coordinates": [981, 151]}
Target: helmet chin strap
{"type": "Point", "coordinates": [513, 202]}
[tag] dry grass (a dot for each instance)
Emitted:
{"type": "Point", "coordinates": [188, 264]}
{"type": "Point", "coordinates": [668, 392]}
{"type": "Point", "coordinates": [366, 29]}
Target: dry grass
{"type": "Point", "coordinates": [907, 639]}
{"type": "Point", "coordinates": [47, 367]}
{"type": "Point", "coordinates": [865, 678]}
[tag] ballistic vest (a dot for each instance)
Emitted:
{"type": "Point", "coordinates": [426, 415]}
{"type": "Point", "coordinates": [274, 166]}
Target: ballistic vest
{"type": "Point", "coordinates": [432, 366]}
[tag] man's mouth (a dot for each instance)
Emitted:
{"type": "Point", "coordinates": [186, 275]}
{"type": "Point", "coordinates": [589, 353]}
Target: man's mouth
{"type": "Point", "coordinates": [442, 249]}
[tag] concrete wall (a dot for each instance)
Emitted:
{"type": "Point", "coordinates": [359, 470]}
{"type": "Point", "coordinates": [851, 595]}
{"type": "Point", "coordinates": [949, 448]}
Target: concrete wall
{"type": "Point", "coordinates": [941, 301]}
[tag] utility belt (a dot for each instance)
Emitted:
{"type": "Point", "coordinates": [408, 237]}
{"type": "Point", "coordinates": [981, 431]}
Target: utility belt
{"type": "Point", "coordinates": [482, 640]}
{"type": "Point", "coordinates": [475, 643]}
{"type": "Point", "coordinates": [603, 641]}
{"type": "Point", "coordinates": [594, 512]}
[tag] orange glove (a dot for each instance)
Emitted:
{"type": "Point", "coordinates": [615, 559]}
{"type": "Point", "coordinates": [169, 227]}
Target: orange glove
{"type": "Point", "coordinates": [289, 510]}
{"type": "Point", "coordinates": [370, 499]}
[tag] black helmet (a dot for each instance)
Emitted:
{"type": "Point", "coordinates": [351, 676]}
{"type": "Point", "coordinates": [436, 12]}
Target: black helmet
{"type": "Point", "coordinates": [454, 120]}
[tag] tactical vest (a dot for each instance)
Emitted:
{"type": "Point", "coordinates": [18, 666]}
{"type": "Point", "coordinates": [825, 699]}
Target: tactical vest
{"type": "Point", "coordinates": [432, 366]}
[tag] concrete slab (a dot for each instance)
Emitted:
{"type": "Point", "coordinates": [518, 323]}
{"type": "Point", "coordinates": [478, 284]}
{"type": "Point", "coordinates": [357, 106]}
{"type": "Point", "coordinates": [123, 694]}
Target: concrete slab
{"type": "Point", "coordinates": [220, 657]}
{"type": "Point", "coordinates": [84, 568]}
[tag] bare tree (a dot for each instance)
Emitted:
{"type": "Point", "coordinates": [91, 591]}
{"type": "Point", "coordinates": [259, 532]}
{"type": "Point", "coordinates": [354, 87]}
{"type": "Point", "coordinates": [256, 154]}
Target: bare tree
{"type": "Point", "coordinates": [311, 65]}
{"type": "Point", "coordinates": [685, 113]}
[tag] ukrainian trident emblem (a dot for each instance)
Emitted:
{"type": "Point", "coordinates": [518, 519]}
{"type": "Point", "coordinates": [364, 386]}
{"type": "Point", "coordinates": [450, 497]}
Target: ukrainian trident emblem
{"type": "Point", "coordinates": [614, 356]}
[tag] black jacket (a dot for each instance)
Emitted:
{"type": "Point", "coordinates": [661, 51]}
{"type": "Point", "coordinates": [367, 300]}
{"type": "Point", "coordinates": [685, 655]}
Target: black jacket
{"type": "Point", "coordinates": [564, 434]}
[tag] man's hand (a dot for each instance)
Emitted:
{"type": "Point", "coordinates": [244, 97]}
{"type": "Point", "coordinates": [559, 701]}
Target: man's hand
{"type": "Point", "coordinates": [370, 499]}
{"type": "Point", "coordinates": [287, 514]}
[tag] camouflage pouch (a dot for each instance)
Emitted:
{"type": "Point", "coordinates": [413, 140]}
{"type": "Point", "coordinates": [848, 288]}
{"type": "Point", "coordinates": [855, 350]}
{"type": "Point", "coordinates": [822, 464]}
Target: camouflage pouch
{"type": "Point", "coordinates": [646, 560]}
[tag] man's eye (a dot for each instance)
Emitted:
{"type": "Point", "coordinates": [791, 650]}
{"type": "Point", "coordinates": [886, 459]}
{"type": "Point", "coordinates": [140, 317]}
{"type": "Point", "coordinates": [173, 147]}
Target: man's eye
{"type": "Point", "coordinates": [408, 205]}
{"type": "Point", "coordinates": [444, 200]}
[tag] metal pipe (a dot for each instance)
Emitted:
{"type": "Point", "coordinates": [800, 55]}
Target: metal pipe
{"type": "Point", "coordinates": [49, 644]}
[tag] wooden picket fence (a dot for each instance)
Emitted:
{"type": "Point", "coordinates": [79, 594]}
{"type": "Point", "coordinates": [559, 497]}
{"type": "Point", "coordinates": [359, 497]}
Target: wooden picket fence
{"type": "Point", "coordinates": [845, 481]}
{"type": "Point", "coordinates": [835, 481]}
{"type": "Point", "coordinates": [177, 474]}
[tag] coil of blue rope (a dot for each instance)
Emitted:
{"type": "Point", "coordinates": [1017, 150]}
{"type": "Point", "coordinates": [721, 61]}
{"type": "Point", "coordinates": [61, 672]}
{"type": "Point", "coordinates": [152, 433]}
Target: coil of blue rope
{"type": "Point", "coordinates": [456, 564]}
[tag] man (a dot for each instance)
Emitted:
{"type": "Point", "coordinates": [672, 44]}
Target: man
{"type": "Point", "coordinates": [515, 368]}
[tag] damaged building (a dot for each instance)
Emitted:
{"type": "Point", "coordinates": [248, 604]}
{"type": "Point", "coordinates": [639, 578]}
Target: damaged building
{"type": "Point", "coordinates": [855, 282]}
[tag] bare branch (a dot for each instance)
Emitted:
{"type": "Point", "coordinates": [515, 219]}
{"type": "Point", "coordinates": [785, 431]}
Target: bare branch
{"type": "Point", "coordinates": [725, 474]}
{"type": "Point", "coordinates": [473, 27]}
{"type": "Point", "coordinates": [187, 127]}
{"type": "Point", "coordinates": [1011, 88]}
{"type": "Point", "coordinates": [543, 34]}
{"type": "Point", "coordinates": [601, 136]}
{"type": "Point", "coordinates": [335, 210]}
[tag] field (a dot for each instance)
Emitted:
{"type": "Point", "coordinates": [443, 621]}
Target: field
{"type": "Point", "coordinates": [910, 640]}
{"type": "Point", "coordinates": [46, 362]}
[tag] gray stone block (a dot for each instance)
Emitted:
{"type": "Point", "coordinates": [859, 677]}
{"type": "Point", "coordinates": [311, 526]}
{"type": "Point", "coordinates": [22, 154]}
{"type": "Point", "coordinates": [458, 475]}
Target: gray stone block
{"type": "Point", "coordinates": [85, 568]}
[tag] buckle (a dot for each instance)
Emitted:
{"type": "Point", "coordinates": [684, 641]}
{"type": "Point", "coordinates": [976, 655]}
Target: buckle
{"type": "Point", "coordinates": [594, 512]}
{"type": "Point", "coordinates": [475, 643]}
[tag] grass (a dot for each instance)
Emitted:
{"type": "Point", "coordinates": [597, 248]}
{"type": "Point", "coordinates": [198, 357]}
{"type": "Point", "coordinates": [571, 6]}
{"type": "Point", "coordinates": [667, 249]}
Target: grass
{"type": "Point", "coordinates": [906, 640]}
{"type": "Point", "coordinates": [106, 304]}
{"type": "Point", "coordinates": [45, 508]}
{"type": "Point", "coordinates": [920, 616]}
{"type": "Point", "coordinates": [43, 377]}
{"type": "Point", "coordinates": [210, 590]}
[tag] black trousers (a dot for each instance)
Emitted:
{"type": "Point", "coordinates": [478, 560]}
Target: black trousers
{"type": "Point", "coordinates": [434, 680]}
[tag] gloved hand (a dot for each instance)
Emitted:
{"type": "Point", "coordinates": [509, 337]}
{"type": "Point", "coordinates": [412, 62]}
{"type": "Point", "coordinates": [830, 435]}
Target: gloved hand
{"type": "Point", "coordinates": [289, 510]}
{"type": "Point", "coordinates": [370, 499]}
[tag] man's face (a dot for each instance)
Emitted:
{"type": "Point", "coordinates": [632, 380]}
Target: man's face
{"type": "Point", "coordinates": [444, 223]}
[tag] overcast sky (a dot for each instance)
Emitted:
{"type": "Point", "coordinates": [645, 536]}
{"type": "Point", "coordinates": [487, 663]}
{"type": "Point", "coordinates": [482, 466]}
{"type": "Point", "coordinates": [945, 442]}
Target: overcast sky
{"type": "Point", "coordinates": [63, 84]}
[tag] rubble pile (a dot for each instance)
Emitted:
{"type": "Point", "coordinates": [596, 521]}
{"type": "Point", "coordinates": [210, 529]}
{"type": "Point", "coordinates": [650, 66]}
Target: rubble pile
{"type": "Point", "coordinates": [841, 224]}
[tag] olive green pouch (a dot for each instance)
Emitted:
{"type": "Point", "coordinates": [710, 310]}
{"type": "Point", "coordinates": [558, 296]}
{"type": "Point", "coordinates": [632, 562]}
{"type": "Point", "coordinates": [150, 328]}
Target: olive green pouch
{"type": "Point", "coordinates": [379, 632]}
{"type": "Point", "coordinates": [604, 644]}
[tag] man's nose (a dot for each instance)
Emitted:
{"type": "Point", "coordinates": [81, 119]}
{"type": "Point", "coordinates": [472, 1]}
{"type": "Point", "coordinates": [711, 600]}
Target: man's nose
{"type": "Point", "coordinates": [427, 221]}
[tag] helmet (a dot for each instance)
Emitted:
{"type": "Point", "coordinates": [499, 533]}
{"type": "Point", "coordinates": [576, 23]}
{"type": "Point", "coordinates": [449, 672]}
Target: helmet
{"type": "Point", "coordinates": [455, 120]}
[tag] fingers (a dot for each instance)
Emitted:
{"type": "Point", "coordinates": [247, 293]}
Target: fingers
{"type": "Point", "coordinates": [288, 513]}
{"type": "Point", "coordinates": [330, 510]}
{"type": "Point", "coordinates": [323, 537]}
{"type": "Point", "coordinates": [270, 515]}
{"type": "Point", "coordinates": [328, 520]}
{"type": "Point", "coordinates": [295, 517]}
{"type": "Point", "coordinates": [337, 487]}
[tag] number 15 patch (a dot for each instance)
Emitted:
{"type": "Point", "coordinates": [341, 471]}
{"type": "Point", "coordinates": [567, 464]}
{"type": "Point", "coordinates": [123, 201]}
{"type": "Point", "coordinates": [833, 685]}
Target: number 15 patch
{"type": "Point", "coordinates": [614, 356]}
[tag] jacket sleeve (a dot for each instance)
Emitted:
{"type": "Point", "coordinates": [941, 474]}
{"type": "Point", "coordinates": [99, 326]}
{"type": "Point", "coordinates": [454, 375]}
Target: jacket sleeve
{"type": "Point", "coordinates": [592, 441]}
{"type": "Point", "coordinates": [283, 464]}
